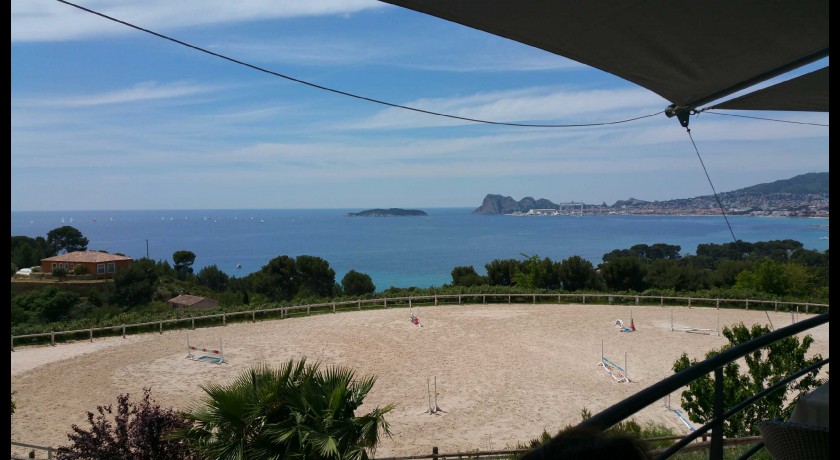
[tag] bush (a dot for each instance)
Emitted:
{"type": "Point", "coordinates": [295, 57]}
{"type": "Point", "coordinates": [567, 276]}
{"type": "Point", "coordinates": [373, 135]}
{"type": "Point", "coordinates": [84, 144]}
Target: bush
{"type": "Point", "coordinates": [138, 432]}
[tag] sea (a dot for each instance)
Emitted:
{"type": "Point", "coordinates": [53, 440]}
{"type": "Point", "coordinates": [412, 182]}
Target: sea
{"type": "Point", "coordinates": [398, 251]}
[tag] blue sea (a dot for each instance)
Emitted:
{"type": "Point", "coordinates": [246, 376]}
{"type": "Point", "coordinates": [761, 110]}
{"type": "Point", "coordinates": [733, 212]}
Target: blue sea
{"type": "Point", "coordinates": [397, 251]}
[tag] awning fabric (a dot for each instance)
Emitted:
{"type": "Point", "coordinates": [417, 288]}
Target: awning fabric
{"type": "Point", "coordinates": [807, 93]}
{"type": "Point", "coordinates": [689, 52]}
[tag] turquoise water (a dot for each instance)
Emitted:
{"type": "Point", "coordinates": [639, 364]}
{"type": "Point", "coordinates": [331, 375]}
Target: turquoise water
{"type": "Point", "coordinates": [396, 251]}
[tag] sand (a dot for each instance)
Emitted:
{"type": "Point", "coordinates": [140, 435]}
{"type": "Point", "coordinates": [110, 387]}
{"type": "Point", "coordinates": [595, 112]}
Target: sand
{"type": "Point", "coordinates": [504, 373]}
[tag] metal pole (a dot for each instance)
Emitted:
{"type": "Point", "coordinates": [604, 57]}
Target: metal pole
{"type": "Point", "coordinates": [716, 448]}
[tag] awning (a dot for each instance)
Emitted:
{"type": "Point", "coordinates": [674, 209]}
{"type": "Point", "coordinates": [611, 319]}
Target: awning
{"type": "Point", "coordinates": [690, 53]}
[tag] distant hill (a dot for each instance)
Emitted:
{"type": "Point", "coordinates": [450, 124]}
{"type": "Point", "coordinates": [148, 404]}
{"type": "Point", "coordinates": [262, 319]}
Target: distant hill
{"type": "Point", "coordinates": [801, 184]}
{"type": "Point", "coordinates": [804, 184]}
{"type": "Point", "coordinates": [387, 213]}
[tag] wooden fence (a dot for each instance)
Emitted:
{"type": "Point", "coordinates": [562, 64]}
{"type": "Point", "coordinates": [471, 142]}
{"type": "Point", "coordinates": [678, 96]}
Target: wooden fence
{"type": "Point", "coordinates": [398, 302]}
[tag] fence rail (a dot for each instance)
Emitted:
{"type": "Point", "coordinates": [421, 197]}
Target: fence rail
{"type": "Point", "coordinates": [49, 450]}
{"type": "Point", "coordinates": [436, 300]}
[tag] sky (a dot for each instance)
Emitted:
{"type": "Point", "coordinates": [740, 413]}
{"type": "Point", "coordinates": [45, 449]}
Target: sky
{"type": "Point", "coordinates": [108, 117]}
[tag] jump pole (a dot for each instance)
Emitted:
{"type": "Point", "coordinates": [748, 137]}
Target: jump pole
{"type": "Point", "coordinates": [608, 365]}
{"type": "Point", "coordinates": [667, 401]}
{"type": "Point", "coordinates": [694, 330]}
{"type": "Point", "coordinates": [220, 352]}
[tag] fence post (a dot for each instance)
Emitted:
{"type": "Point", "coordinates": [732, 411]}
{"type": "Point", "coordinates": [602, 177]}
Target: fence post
{"type": "Point", "coordinates": [161, 327]}
{"type": "Point", "coordinates": [483, 299]}
{"type": "Point", "coordinates": [333, 307]}
{"type": "Point", "coordinates": [717, 304]}
{"type": "Point", "coordinates": [459, 299]}
{"type": "Point", "coordinates": [508, 298]}
{"type": "Point", "coordinates": [584, 298]}
{"type": "Point", "coordinates": [689, 302]}
{"type": "Point", "coordinates": [775, 305]}
{"type": "Point", "coordinates": [192, 321]}
{"type": "Point", "coordinates": [253, 316]}
{"type": "Point", "coordinates": [747, 304]}
{"type": "Point", "coordinates": [13, 343]}
{"type": "Point", "coordinates": [435, 453]}
{"type": "Point", "coordinates": [307, 310]}
{"type": "Point", "coordinates": [386, 303]}
{"type": "Point", "coordinates": [91, 334]}
{"type": "Point", "coordinates": [661, 300]}
{"type": "Point", "coordinates": [360, 305]}
{"type": "Point", "coordinates": [123, 330]}
{"type": "Point", "coordinates": [52, 338]}
{"type": "Point", "coordinates": [224, 319]}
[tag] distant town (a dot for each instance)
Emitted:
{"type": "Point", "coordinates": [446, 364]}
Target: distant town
{"type": "Point", "coordinates": [774, 205]}
{"type": "Point", "coordinates": [805, 195]}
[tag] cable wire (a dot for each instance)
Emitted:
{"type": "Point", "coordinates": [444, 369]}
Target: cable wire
{"type": "Point", "coordinates": [717, 198]}
{"type": "Point", "coordinates": [765, 119]}
{"type": "Point", "coordinates": [344, 93]}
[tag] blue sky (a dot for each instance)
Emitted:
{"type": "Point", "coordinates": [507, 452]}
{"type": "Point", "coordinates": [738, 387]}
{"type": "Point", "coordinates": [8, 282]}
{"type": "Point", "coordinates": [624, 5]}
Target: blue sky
{"type": "Point", "coordinates": [107, 117]}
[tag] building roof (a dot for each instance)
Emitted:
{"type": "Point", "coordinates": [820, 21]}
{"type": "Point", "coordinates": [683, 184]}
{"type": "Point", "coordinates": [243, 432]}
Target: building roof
{"type": "Point", "coordinates": [185, 299]}
{"type": "Point", "coordinates": [86, 257]}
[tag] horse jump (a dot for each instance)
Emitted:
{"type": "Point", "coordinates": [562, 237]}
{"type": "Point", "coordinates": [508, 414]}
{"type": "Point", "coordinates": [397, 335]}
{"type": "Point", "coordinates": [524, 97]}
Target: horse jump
{"type": "Point", "coordinates": [215, 356]}
{"type": "Point", "coordinates": [618, 373]}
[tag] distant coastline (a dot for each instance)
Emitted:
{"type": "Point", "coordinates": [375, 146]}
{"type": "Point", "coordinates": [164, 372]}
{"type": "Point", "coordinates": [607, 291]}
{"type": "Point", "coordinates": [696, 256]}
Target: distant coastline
{"type": "Point", "coordinates": [391, 212]}
{"type": "Point", "coordinates": [806, 195]}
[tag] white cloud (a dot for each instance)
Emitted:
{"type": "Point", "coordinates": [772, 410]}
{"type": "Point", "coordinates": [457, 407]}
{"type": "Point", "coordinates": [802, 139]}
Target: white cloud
{"type": "Point", "coordinates": [145, 91]}
{"type": "Point", "coordinates": [48, 20]}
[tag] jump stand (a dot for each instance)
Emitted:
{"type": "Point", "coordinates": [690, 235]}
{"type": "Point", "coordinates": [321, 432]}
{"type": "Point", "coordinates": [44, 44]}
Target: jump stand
{"type": "Point", "coordinates": [618, 373]}
{"type": "Point", "coordinates": [433, 408]}
{"type": "Point", "coordinates": [214, 356]}
{"type": "Point", "coordinates": [667, 401]}
{"type": "Point", "coordinates": [694, 330]}
{"type": "Point", "coordinates": [412, 318]}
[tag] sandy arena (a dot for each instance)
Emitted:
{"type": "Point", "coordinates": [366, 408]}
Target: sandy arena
{"type": "Point", "coordinates": [504, 372]}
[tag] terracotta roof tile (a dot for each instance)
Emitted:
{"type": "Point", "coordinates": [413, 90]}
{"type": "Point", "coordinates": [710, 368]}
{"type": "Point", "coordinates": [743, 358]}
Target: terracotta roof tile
{"type": "Point", "coordinates": [185, 299]}
{"type": "Point", "coordinates": [86, 256]}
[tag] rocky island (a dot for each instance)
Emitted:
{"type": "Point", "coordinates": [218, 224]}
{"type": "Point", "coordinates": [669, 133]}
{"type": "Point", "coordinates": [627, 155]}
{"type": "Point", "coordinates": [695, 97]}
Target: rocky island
{"type": "Point", "coordinates": [392, 212]}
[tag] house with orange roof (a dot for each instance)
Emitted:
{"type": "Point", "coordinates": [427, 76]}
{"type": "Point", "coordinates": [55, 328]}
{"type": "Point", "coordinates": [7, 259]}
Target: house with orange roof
{"type": "Point", "coordinates": [97, 263]}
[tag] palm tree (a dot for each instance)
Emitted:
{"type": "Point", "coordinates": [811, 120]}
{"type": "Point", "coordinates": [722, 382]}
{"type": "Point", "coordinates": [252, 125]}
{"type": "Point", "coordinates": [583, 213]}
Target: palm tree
{"type": "Point", "coordinates": [295, 411]}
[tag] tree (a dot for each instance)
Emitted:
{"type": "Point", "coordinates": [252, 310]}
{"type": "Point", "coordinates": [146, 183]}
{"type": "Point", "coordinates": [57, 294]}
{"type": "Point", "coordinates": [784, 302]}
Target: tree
{"type": "Point", "coordinates": [624, 274]}
{"type": "Point", "coordinates": [536, 273]}
{"type": "Point", "coordinates": [500, 272]}
{"type": "Point", "coordinates": [183, 261]}
{"type": "Point", "coordinates": [778, 278]}
{"type": "Point", "coordinates": [60, 273]}
{"type": "Point", "coordinates": [66, 239]}
{"type": "Point", "coordinates": [136, 285]}
{"type": "Point", "coordinates": [314, 277]}
{"type": "Point", "coordinates": [294, 411]}
{"type": "Point", "coordinates": [577, 273]}
{"type": "Point", "coordinates": [28, 252]}
{"type": "Point", "coordinates": [276, 280]}
{"type": "Point", "coordinates": [212, 277]}
{"type": "Point", "coordinates": [675, 275]}
{"type": "Point", "coordinates": [357, 284]}
{"type": "Point", "coordinates": [137, 432]}
{"type": "Point", "coordinates": [49, 304]}
{"type": "Point", "coordinates": [764, 368]}
{"type": "Point", "coordinates": [658, 251]}
{"type": "Point", "coordinates": [467, 276]}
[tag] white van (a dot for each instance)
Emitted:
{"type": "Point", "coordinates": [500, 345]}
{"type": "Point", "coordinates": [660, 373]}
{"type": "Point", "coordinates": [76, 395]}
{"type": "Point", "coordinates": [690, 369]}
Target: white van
{"type": "Point", "coordinates": [24, 272]}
